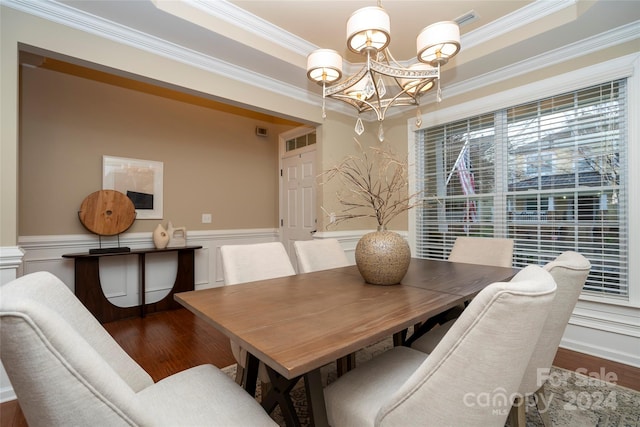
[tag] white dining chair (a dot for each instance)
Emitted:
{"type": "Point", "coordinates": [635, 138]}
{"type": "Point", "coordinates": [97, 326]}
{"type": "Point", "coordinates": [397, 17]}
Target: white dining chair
{"type": "Point", "coordinates": [248, 263]}
{"type": "Point", "coordinates": [323, 254]}
{"type": "Point", "coordinates": [493, 251]}
{"type": "Point", "coordinates": [464, 380]}
{"type": "Point", "coordinates": [570, 271]}
{"type": "Point", "coordinates": [66, 370]}
{"type": "Point", "coordinates": [482, 250]}
{"type": "Point", "coordinates": [319, 254]}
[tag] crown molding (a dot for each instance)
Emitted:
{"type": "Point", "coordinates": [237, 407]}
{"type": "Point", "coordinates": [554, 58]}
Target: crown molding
{"type": "Point", "coordinates": [70, 17]}
{"type": "Point", "coordinates": [239, 17]}
{"type": "Point", "coordinates": [569, 52]}
{"type": "Point", "coordinates": [65, 15]}
{"type": "Point", "coordinates": [519, 18]}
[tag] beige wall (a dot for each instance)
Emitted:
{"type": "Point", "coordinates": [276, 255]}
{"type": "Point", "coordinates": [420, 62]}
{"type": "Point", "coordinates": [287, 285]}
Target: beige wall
{"type": "Point", "coordinates": [338, 141]}
{"type": "Point", "coordinates": [213, 161]}
{"type": "Point", "coordinates": [20, 31]}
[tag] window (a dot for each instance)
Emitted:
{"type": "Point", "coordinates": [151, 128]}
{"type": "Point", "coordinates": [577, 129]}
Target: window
{"type": "Point", "coordinates": [545, 173]}
{"type": "Point", "coordinates": [301, 141]}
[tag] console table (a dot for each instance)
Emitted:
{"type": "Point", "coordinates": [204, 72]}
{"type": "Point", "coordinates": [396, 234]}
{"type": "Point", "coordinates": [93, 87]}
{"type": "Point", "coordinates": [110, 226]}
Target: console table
{"type": "Point", "coordinates": [88, 288]}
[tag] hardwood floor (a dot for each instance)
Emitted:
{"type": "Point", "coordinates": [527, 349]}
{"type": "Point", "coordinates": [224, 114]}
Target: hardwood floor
{"type": "Point", "coordinates": [168, 342]}
{"type": "Point", "coordinates": [162, 343]}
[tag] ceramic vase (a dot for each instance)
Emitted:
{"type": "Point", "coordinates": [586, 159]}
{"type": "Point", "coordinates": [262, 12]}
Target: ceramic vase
{"type": "Point", "coordinates": [160, 237]}
{"type": "Point", "coordinates": [383, 257]}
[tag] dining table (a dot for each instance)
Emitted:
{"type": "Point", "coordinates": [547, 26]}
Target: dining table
{"type": "Point", "coordinates": [297, 324]}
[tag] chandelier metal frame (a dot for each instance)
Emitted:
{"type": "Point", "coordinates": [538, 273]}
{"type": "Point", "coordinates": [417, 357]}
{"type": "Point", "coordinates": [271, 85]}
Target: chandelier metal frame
{"type": "Point", "coordinates": [368, 33]}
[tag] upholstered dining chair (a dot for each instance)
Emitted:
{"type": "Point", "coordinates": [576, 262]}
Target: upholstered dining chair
{"type": "Point", "coordinates": [319, 254]}
{"type": "Point", "coordinates": [493, 251]}
{"type": "Point", "coordinates": [323, 254]}
{"type": "Point", "coordinates": [67, 370]}
{"type": "Point", "coordinates": [248, 263]}
{"type": "Point", "coordinates": [570, 271]}
{"type": "Point", "coordinates": [463, 381]}
{"type": "Point", "coordinates": [482, 250]}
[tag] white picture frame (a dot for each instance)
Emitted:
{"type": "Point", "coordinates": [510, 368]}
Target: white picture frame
{"type": "Point", "coordinates": [140, 180]}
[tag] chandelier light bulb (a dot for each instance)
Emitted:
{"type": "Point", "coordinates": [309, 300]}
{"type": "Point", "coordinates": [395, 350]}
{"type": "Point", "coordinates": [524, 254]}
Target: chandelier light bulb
{"type": "Point", "coordinates": [383, 82]}
{"type": "Point", "coordinates": [368, 28]}
{"type": "Point", "coordinates": [438, 43]}
{"type": "Point", "coordinates": [418, 83]}
{"type": "Point", "coordinates": [324, 65]}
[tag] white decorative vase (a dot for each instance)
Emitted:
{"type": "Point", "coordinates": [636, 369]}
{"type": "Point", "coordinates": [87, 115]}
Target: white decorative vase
{"type": "Point", "coordinates": [383, 257]}
{"type": "Point", "coordinates": [160, 237]}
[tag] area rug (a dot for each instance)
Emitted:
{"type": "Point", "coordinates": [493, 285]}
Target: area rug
{"type": "Point", "coordinates": [576, 400]}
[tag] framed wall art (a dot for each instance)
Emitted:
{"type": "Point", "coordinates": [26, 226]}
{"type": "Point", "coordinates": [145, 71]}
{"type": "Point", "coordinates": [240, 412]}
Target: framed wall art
{"type": "Point", "coordinates": [140, 180]}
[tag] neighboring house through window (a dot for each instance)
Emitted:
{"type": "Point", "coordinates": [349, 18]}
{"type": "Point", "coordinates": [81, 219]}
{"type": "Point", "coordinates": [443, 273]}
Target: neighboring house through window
{"type": "Point", "coordinates": [547, 173]}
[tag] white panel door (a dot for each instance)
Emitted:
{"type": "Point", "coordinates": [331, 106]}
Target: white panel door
{"type": "Point", "coordinates": [299, 199]}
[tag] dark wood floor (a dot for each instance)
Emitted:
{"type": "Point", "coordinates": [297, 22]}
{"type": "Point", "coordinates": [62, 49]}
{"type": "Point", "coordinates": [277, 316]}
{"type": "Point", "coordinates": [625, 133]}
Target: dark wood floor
{"type": "Point", "coordinates": [168, 342]}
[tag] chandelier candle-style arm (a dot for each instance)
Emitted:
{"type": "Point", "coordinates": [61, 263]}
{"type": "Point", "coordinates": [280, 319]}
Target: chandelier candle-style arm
{"type": "Point", "coordinates": [369, 33]}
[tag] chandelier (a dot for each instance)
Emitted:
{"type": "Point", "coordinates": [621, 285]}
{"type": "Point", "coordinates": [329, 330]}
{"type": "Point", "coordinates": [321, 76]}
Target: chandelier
{"type": "Point", "coordinates": [382, 82]}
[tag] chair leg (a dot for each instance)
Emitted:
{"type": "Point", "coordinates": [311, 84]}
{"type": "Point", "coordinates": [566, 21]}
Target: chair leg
{"type": "Point", "coordinates": [345, 364]}
{"type": "Point", "coordinates": [518, 414]}
{"type": "Point", "coordinates": [239, 374]}
{"type": "Point", "coordinates": [423, 329]}
{"type": "Point", "coordinates": [543, 406]}
{"type": "Point", "coordinates": [264, 388]}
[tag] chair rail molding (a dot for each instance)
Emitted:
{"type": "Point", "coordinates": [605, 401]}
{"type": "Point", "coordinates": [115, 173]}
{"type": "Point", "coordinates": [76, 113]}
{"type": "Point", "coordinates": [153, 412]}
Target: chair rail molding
{"type": "Point", "coordinates": [44, 253]}
{"type": "Point", "coordinates": [10, 261]}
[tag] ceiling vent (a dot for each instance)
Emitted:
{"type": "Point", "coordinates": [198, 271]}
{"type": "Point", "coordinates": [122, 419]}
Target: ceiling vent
{"type": "Point", "coordinates": [467, 18]}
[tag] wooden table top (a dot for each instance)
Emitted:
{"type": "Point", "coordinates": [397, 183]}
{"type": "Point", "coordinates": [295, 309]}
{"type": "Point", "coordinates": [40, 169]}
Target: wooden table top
{"type": "Point", "coordinates": [299, 323]}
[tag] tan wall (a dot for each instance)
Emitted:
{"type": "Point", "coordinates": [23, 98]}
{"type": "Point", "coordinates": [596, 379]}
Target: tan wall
{"type": "Point", "coordinates": [22, 31]}
{"type": "Point", "coordinates": [213, 161]}
{"type": "Point", "coordinates": [338, 141]}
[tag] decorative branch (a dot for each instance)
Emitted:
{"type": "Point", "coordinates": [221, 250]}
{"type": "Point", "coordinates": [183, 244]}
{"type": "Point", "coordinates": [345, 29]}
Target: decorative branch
{"type": "Point", "coordinates": [375, 186]}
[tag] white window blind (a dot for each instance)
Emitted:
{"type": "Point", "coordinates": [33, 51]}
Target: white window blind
{"type": "Point", "coordinates": [548, 174]}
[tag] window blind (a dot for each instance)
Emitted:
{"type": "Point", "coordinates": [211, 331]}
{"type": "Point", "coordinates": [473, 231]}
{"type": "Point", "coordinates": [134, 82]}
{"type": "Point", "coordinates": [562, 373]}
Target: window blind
{"type": "Point", "coordinates": [549, 174]}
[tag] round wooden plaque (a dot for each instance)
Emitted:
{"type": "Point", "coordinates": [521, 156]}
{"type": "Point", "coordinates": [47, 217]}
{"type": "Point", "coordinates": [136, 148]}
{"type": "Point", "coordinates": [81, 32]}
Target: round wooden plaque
{"type": "Point", "coordinates": [107, 212]}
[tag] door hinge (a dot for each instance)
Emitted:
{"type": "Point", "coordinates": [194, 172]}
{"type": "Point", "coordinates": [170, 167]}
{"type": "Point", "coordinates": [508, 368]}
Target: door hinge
{"type": "Point", "coordinates": [280, 172]}
{"type": "Point", "coordinates": [281, 223]}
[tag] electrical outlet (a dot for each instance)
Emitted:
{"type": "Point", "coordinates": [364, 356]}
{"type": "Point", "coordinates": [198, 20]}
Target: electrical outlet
{"type": "Point", "coordinates": [206, 218]}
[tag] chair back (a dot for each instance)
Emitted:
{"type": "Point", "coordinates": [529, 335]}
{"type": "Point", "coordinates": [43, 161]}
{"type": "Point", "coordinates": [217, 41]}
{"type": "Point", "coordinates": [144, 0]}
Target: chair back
{"type": "Point", "coordinates": [482, 250]}
{"type": "Point", "coordinates": [320, 254]}
{"type": "Point", "coordinates": [64, 367]}
{"type": "Point", "coordinates": [570, 271]}
{"type": "Point", "coordinates": [257, 261]}
{"type": "Point", "coordinates": [465, 380]}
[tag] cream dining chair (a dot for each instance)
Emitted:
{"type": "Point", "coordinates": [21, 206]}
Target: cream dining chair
{"type": "Point", "coordinates": [319, 254]}
{"type": "Point", "coordinates": [404, 387]}
{"type": "Point", "coordinates": [323, 254]}
{"type": "Point", "coordinates": [482, 250]}
{"type": "Point", "coordinates": [248, 263]}
{"type": "Point", "coordinates": [570, 271]}
{"type": "Point", "coordinates": [493, 251]}
{"type": "Point", "coordinates": [66, 370]}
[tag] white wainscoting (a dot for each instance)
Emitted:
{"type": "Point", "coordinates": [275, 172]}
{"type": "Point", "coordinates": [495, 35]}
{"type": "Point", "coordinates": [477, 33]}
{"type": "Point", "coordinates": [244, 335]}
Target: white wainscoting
{"type": "Point", "coordinates": [119, 274]}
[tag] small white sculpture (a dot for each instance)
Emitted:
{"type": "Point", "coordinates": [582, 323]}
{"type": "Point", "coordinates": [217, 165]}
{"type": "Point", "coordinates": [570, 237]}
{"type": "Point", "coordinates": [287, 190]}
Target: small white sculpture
{"type": "Point", "coordinates": [177, 236]}
{"type": "Point", "coordinates": [160, 237]}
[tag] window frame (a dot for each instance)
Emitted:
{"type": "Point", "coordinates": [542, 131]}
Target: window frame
{"type": "Point", "coordinates": [622, 67]}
